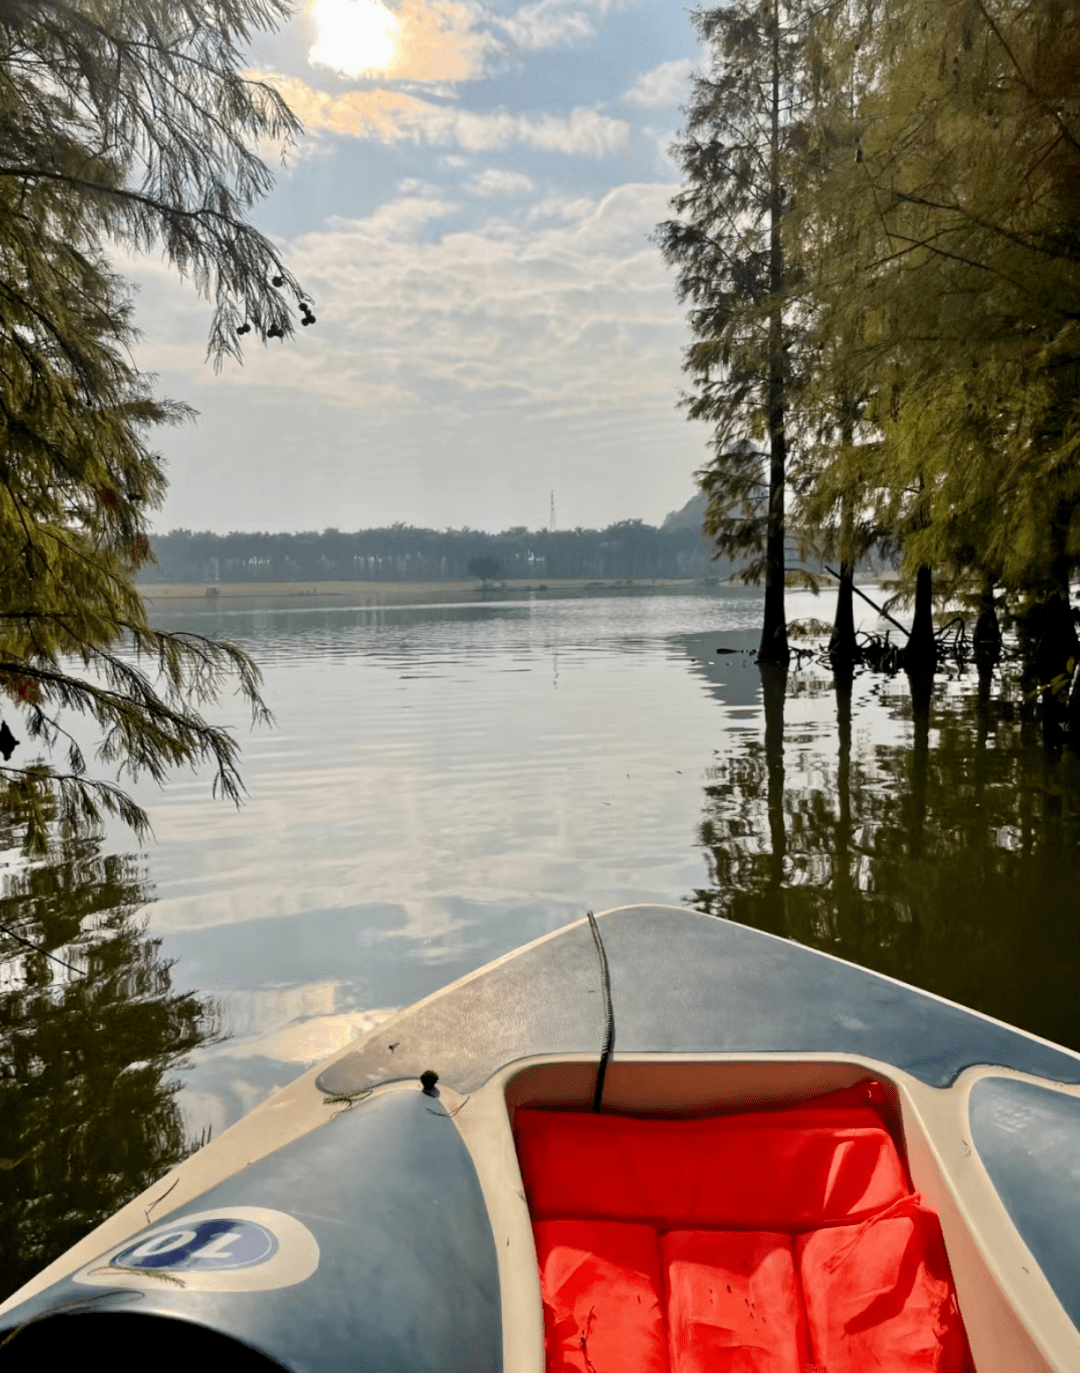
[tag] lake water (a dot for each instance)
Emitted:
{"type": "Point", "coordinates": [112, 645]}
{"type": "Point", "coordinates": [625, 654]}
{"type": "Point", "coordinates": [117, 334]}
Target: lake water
{"type": "Point", "coordinates": [444, 783]}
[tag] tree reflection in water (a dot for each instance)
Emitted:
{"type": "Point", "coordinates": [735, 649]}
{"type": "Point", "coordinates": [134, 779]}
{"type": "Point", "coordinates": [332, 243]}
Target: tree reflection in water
{"type": "Point", "coordinates": [949, 860]}
{"type": "Point", "coordinates": [88, 1109]}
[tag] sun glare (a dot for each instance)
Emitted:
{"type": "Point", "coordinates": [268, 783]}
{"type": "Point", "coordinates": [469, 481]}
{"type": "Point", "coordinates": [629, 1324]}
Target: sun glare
{"type": "Point", "coordinates": [355, 36]}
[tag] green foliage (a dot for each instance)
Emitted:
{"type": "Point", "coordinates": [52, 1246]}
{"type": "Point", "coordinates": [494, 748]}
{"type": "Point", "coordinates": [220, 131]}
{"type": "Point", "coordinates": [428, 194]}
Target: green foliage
{"type": "Point", "coordinates": [931, 237]}
{"type": "Point", "coordinates": [955, 296]}
{"type": "Point", "coordinates": [728, 268]}
{"type": "Point", "coordinates": [124, 124]}
{"type": "Point", "coordinates": [131, 121]}
{"type": "Point", "coordinates": [757, 137]}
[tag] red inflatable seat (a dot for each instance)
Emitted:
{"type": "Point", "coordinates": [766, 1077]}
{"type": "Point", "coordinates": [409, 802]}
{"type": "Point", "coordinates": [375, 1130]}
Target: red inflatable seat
{"type": "Point", "coordinates": [764, 1242]}
{"type": "Point", "coordinates": [765, 1170]}
{"type": "Point", "coordinates": [733, 1302]}
{"type": "Point", "coordinates": [603, 1296]}
{"type": "Point", "coordinates": [880, 1294]}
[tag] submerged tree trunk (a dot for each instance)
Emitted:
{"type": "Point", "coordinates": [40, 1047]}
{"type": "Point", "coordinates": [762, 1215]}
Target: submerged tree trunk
{"type": "Point", "coordinates": [1046, 625]}
{"type": "Point", "coordinates": [774, 640]}
{"type": "Point", "coordinates": [987, 637]}
{"type": "Point", "coordinates": [920, 662]}
{"type": "Point", "coordinates": [842, 646]}
{"type": "Point", "coordinates": [920, 655]}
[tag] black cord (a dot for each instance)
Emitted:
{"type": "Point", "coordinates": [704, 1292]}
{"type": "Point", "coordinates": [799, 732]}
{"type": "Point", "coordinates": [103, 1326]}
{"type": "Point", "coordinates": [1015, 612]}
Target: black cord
{"type": "Point", "coordinates": [609, 1015]}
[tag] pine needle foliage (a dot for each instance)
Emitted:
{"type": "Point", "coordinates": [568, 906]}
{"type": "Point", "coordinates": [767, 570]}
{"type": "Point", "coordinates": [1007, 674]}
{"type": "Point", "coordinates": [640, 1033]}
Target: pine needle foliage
{"type": "Point", "coordinates": [918, 182]}
{"type": "Point", "coordinates": [131, 120]}
{"type": "Point", "coordinates": [948, 275]}
{"type": "Point", "coordinates": [124, 124]}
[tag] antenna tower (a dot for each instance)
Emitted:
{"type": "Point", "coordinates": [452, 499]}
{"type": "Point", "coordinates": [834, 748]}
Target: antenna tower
{"type": "Point", "coordinates": [551, 515]}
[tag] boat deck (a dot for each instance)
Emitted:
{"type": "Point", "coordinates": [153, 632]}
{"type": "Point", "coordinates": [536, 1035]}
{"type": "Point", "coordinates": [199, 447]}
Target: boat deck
{"type": "Point", "coordinates": [358, 1210]}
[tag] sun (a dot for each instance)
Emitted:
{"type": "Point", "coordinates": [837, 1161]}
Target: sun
{"type": "Point", "coordinates": [355, 37]}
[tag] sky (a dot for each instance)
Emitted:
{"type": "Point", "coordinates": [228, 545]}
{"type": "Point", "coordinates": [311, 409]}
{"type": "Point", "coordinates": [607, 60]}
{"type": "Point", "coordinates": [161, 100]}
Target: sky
{"type": "Point", "coordinates": [470, 208]}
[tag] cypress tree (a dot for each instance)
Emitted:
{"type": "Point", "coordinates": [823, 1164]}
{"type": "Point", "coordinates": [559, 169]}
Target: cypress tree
{"type": "Point", "coordinates": [742, 152]}
{"type": "Point", "coordinates": [955, 303]}
{"type": "Point", "coordinates": [123, 124]}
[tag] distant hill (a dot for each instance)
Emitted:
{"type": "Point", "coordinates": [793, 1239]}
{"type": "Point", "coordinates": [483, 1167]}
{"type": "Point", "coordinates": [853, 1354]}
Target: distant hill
{"type": "Point", "coordinates": [688, 521]}
{"type": "Point", "coordinates": [689, 518]}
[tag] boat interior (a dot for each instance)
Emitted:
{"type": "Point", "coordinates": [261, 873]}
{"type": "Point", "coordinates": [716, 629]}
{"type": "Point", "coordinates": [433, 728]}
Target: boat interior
{"type": "Point", "coordinates": [780, 1214]}
{"type": "Point", "coordinates": [773, 1213]}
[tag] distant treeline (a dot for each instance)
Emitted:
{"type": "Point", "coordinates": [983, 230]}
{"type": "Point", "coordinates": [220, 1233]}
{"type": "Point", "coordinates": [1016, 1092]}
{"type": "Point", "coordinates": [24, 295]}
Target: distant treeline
{"type": "Point", "coordinates": [630, 550]}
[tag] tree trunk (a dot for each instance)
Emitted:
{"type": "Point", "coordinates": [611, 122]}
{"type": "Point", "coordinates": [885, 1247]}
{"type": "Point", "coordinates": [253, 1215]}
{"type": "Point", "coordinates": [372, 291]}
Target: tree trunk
{"type": "Point", "coordinates": [987, 636]}
{"type": "Point", "coordinates": [774, 640]}
{"type": "Point", "coordinates": [843, 649]}
{"type": "Point", "coordinates": [920, 655]}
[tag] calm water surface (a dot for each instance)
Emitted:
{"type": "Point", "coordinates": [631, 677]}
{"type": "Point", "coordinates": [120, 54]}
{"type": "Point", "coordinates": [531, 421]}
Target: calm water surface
{"type": "Point", "coordinates": [444, 783]}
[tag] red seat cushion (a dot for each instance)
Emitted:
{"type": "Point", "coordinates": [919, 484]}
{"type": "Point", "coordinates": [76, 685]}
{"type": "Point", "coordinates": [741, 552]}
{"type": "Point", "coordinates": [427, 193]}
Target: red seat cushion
{"type": "Point", "coordinates": [733, 1302]}
{"type": "Point", "coordinates": [792, 1242]}
{"type": "Point", "coordinates": [879, 1295]}
{"type": "Point", "coordinates": [602, 1293]}
{"type": "Point", "coordinates": [769, 1170]}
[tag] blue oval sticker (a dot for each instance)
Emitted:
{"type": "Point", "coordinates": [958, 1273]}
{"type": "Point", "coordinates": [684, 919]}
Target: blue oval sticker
{"type": "Point", "coordinates": [204, 1245]}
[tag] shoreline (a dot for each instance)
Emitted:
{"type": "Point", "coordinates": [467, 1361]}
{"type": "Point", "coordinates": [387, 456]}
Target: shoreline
{"type": "Point", "coordinates": [155, 594]}
{"type": "Point", "coordinates": [192, 596]}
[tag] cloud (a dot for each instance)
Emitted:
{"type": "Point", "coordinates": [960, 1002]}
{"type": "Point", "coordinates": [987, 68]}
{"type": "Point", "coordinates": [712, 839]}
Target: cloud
{"type": "Point", "coordinates": [561, 205]}
{"type": "Point", "coordinates": [667, 84]}
{"type": "Point", "coordinates": [406, 217]}
{"type": "Point", "coordinates": [555, 23]}
{"type": "Point", "coordinates": [394, 117]}
{"type": "Point", "coordinates": [569, 312]}
{"type": "Point", "coordinates": [422, 40]}
{"type": "Point", "coordinates": [460, 368]}
{"type": "Point", "coordinates": [496, 181]}
{"type": "Point", "coordinates": [575, 314]}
